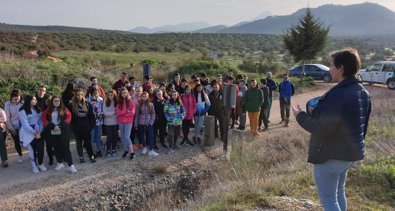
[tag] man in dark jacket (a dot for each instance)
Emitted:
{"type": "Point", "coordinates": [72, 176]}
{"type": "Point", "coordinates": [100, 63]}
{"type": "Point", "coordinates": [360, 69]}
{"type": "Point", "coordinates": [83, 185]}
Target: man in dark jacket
{"type": "Point", "coordinates": [264, 107]}
{"type": "Point", "coordinates": [217, 108]}
{"type": "Point", "coordinates": [271, 84]}
{"type": "Point", "coordinates": [338, 125]}
{"type": "Point", "coordinates": [287, 90]}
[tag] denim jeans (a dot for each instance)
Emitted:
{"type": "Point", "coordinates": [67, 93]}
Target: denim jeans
{"type": "Point", "coordinates": [125, 130]}
{"type": "Point", "coordinates": [199, 120]}
{"type": "Point", "coordinates": [146, 136]}
{"type": "Point", "coordinates": [96, 137]}
{"type": "Point", "coordinates": [330, 178]}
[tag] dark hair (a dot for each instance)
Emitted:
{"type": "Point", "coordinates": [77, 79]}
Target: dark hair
{"type": "Point", "coordinates": [213, 82]}
{"type": "Point", "coordinates": [162, 84]}
{"type": "Point", "coordinates": [239, 76]}
{"type": "Point", "coordinates": [108, 101]}
{"type": "Point", "coordinates": [168, 87]}
{"type": "Point", "coordinates": [193, 77]}
{"type": "Point", "coordinates": [203, 75]}
{"type": "Point", "coordinates": [242, 80]}
{"type": "Point", "coordinates": [177, 74]}
{"type": "Point", "coordinates": [348, 59]}
{"type": "Point", "coordinates": [285, 75]}
{"type": "Point", "coordinates": [183, 80]}
{"type": "Point", "coordinates": [196, 93]}
{"type": "Point", "coordinates": [42, 86]}
{"type": "Point", "coordinates": [123, 73]}
{"type": "Point", "coordinates": [27, 105]}
{"type": "Point", "coordinates": [131, 78]}
{"type": "Point", "coordinates": [93, 77]}
{"type": "Point", "coordinates": [263, 81]}
{"type": "Point", "coordinates": [15, 93]}
{"type": "Point", "coordinates": [69, 90]}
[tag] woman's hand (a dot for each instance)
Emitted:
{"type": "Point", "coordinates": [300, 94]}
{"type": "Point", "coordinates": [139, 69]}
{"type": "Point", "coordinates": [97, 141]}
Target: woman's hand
{"type": "Point", "coordinates": [296, 110]}
{"type": "Point", "coordinates": [38, 136]}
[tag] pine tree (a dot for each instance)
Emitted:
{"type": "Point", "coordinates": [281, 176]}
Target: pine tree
{"type": "Point", "coordinates": [305, 40]}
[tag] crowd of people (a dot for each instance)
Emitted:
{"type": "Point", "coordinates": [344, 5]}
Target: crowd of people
{"type": "Point", "coordinates": [135, 115]}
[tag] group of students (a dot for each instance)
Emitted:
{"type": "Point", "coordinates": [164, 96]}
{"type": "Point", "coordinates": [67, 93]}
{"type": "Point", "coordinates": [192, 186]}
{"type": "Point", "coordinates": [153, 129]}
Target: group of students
{"type": "Point", "coordinates": [130, 113]}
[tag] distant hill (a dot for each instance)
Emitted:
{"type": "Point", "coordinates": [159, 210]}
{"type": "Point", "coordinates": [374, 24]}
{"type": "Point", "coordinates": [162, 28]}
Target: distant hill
{"type": "Point", "coordinates": [356, 19]}
{"type": "Point", "coordinates": [211, 29]}
{"type": "Point", "coordinates": [182, 27]}
{"type": "Point", "coordinates": [58, 29]}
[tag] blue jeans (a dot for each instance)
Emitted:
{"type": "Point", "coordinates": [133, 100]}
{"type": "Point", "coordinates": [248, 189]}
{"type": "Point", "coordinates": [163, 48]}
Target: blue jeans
{"type": "Point", "coordinates": [330, 178]}
{"type": "Point", "coordinates": [199, 120]}
{"type": "Point", "coordinates": [125, 130]}
{"type": "Point", "coordinates": [149, 132]}
{"type": "Point", "coordinates": [96, 137]}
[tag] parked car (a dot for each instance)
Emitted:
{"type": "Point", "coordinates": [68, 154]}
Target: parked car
{"type": "Point", "coordinates": [317, 71]}
{"type": "Point", "coordinates": [382, 72]}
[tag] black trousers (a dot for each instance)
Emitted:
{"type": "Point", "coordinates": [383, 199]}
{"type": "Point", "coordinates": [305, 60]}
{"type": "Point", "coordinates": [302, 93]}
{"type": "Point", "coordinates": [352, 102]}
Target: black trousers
{"type": "Point", "coordinates": [61, 148]}
{"type": "Point", "coordinates": [263, 117]}
{"type": "Point", "coordinates": [160, 128]}
{"type": "Point", "coordinates": [133, 134]}
{"type": "Point", "coordinates": [174, 131]}
{"type": "Point", "coordinates": [17, 142]}
{"type": "Point", "coordinates": [38, 150]}
{"type": "Point", "coordinates": [112, 136]}
{"type": "Point", "coordinates": [221, 123]}
{"type": "Point", "coordinates": [48, 145]}
{"type": "Point", "coordinates": [3, 147]}
{"type": "Point", "coordinates": [186, 126]}
{"type": "Point", "coordinates": [83, 137]}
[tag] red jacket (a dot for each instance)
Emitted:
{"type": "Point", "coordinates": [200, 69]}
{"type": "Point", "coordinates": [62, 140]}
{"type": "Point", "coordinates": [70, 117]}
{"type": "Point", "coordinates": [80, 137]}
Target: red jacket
{"type": "Point", "coordinates": [126, 115]}
{"type": "Point", "coordinates": [46, 117]}
{"type": "Point", "coordinates": [189, 102]}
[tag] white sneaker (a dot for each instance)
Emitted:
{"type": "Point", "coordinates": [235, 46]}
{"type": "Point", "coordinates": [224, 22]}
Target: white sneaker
{"type": "Point", "coordinates": [153, 153]}
{"type": "Point", "coordinates": [144, 151]}
{"type": "Point", "coordinates": [72, 169]}
{"type": "Point", "coordinates": [59, 166]}
{"type": "Point", "coordinates": [42, 167]}
{"type": "Point", "coordinates": [35, 170]}
{"type": "Point", "coordinates": [20, 160]}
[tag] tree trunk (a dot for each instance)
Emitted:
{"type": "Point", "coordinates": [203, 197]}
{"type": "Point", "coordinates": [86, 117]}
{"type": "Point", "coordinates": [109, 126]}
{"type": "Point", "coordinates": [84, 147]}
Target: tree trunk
{"type": "Point", "coordinates": [303, 71]}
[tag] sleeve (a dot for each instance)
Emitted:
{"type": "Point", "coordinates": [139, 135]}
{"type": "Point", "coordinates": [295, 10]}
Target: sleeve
{"type": "Point", "coordinates": [44, 118]}
{"type": "Point", "coordinates": [68, 116]}
{"type": "Point", "coordinates": [107, 111]}
{"type": "Point", "coordinates": [194, 105]}
{"type": "Point", "coordinates": [25, 123]}
{"type": "Point", "coordinates": [183, 112]}
{"type": "Point", "coordinates": [153, 114]}
{"type": "Point", "coordinates": [260, 102]}
{"type": "Point", "coordinates": [208, 103]}
{"type": "Point", "coordinates": [292, 89]}
{"type": "Point", "coordinates": [136, 114]}
{"type": "Point", "coordinates": [8, 116]}
{"type": "Point", "coordinates": [327, 121]}
{"type": "Point", "coordinates": [166, 111]}
{"type": "Point", "coordinates": [91, 116]}
{"type": "Point", "coordinates": [40, 122]}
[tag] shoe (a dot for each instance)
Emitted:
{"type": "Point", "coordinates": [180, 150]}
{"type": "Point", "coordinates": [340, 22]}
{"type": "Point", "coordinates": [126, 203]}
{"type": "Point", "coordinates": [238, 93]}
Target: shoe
{"type": "Point", "coordinates": [50, 162]}
{"type": "Point", "coordinates": [113, 153]}
{"type": "Point", "coordinates": [152, 153]}
{"type": "Point", "coordinates": [169, 150]}
{"type": "Point", "coordinates": [108, 153]}
{"type": "Point", "coordinates": [42, 167]}
{"type": "Point", "coordinates": [144, 151]}
{"type": "Point", "coordinates": [98, 154]}
{"type": "Point", "coordinates": [241, 128]}
{"type": "Point", "coordinates": [176, 147]}
{"type": "Point", "coordinates": [163, 145]}
{"type": "Point", "coordinates": [141, 146]}
{"type": "Point", "coordinates": [35, 170]}
{"type": "Point", "coordinates": [82, 160]}
{"type": "Point", "coordinates": [265, 129]}
{"type": "Point", "coordinates": [190, 143]}
{"type": "Point", "coordinates": [132, 156]}
{"type": "Point", "coordinates": [156, 147]}
{"type": "Point", "coordinates": [286, 125]}
{"type": "Point", "coordinates": [124, 154]}
{"type": "Point", "coordinates": [182, 142]}
{"type": "Point", "coordinates": [4, 164]}
{"type": "Point", "coordinates": [59, 166]}
{"type": "Point", "coordinates": [72, 169]}
{"type": "Point", "coordinates": [194, 139]}
{"type": "Point", "coordinates": [135, 147]}
{"type": "Point", "coordinates": [20, 160]}
{"type": "Point", "coordinates": [258, 133]}
{"type": "Point", "coordinates": [268, 121]}
{"type": "Point", "coordinates": [199, 141]}
{"type": "Point", "coordinates": [281, 122]}
{"type": "Point", "coordinates": [92, 159]}
{"type": "Point", "coordinates": [237, 122]}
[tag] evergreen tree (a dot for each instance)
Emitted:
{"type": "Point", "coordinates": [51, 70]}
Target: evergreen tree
{"type": "Point", "coordinates": [305, 40]}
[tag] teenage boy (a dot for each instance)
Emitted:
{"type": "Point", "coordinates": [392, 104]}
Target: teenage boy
{"type": "Point", "coordinates": [263, 113]}
{"type": "Point", "coordinates": [287, 90]}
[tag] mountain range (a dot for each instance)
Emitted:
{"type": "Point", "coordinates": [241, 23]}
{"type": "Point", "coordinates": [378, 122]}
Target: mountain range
{"type": "Point", "coordinates": [357, 19]}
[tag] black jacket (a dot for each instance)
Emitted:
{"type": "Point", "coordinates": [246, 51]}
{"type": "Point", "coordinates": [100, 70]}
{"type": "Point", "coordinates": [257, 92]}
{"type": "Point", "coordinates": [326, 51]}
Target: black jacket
{"type": "Point", "coordinates": [83, 121]}
{"type": "Point", "coordinates": [160, 115]}
{"type": "Point", "coordinates": [217, 103]}
{"type": "Point", "coordinates": [339, 123]}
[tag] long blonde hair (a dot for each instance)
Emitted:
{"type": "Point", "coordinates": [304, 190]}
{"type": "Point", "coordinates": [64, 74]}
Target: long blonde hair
{"type": "Point", "coordinates": [75, 102]}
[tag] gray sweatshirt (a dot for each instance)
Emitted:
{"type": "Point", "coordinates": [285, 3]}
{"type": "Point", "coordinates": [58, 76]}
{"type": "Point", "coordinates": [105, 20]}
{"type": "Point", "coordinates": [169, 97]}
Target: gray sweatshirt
{"type": "Point", "coordinates": [12, 113]}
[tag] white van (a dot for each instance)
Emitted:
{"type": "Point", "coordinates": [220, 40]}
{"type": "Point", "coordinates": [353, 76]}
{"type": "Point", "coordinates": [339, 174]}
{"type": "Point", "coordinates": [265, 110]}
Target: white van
{"type": "Point", "coordinates": [382, 72]}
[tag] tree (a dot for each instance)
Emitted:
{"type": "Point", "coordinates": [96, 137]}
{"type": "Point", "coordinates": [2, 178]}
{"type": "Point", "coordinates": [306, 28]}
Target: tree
{"type": "Point", "coordinates": [305, 40]}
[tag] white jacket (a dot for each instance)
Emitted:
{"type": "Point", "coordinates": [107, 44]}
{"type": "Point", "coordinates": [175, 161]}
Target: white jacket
{"type": "Point", "coordinates": [29, 124]}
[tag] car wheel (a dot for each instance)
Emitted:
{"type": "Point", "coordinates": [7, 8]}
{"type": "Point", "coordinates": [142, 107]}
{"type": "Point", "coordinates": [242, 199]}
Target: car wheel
{"type": "Point", "coordinates": [391, 84]}
{"type": "Point", "coordinates": [327, 78]}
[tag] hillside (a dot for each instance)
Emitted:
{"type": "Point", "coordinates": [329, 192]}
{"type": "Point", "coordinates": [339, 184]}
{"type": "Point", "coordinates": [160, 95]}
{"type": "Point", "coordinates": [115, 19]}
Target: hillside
{"type": "Point", "coordinates": [53, 29]}
{"type": "Point", "coordinates": [357, 19]}
{"type": "Point", "coordinates": [211, 29]}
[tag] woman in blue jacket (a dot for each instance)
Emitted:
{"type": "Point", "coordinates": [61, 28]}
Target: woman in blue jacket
{"type": "Point", "coordinates": [338, 126]}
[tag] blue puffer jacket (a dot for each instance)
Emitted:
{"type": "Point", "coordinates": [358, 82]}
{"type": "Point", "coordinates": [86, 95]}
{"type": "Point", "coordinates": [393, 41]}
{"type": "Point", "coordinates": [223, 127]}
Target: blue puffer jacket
{"type": "Point", "coordinates": [339, 123]}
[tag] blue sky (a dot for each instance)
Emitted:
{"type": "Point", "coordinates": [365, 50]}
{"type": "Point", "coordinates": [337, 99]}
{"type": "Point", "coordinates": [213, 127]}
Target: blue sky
{"type": "Point", "coordinates": [127, 14]}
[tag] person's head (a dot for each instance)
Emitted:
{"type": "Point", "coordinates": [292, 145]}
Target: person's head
{"type": "Point", "coordinates": [124, 93]}
{"type": "Point", "coordinates": [159, 94]}
{"type": "Point", "coordinates": [215, 86]}
{"type": "Point", "coordinates": [95, 93]}
{"type": "Point", "coordinates": [196, 81]}
{"type": "Point", "coordinates": [193, 77]}
{"type": "Point", "coordinates": [188, 90]}
{"type": "Point", "coordinates": [183, 82]}
{"type": "Point", "coordinates": [230, 72]}
{"type": "Point", "coordinates": [263, 82]}
{"type": "Point", "coordinates": [70, 89]}
{"type": "Point", "coordinates": [144, 96]}
{"type": "Point", "coordinates": [42, 90]}
{"type": "Point", "coordinates": [177, 77]}
{"type": "Point", "coordinates": [344, 64]}
{"type": "Point", "coordinates": [285, 77]}
{"type": "Point", "coordinates": [150, 91]}
{"type": "Point", "coordinates": [203, 76]}
{"type": "Point", "coordinates": [245, 77]}
{"type": "Point", "coordinates": [15, 96]}
{"type": "Point", "coordinates": [269, 75]}
{"type": "Point", "coordinates": [56, 104]}
{"type": "Point", "coordinates": [124, 76]}
{"type": "Point", "coordinates": [131, 79]}
{"type": "Point", "coordinates": [170, 87]}
{"type": "Point", "coordinates": [239, 77]}
{"type": "Point", "coordinates": [79, 96]}
{"type": "Point", "coordinates": [93, 80]}
{"type": "Point", "coordinates": [219, 78]}
{"type": "Point", "coordinates": [79, 99]}
{"type": "Point", "coordinates": [138, 91]}
{"type": "Point", "coordinates": [199, 88]}
{"type": "Point", "coordinates": [111, 97]}
{"type": "Point", "coordinates": [30, 102]}
{"type": "Point", "coordinates": [174, 97]}
{"type": "Point", "coordinates": [242, 83]}
{"type": "Point", "coordinates": [253, 83]}
{"type": "Point", "coordinates": [231, 79]}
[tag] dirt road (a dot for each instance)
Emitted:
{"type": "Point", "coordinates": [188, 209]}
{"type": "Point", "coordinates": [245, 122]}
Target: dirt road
{"type": "Point", "coordinates": [114, 182]}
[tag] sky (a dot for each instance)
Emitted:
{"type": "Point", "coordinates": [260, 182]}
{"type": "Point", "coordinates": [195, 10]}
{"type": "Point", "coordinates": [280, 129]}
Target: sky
{"type": "Point", "coordinates": [127, 14]}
